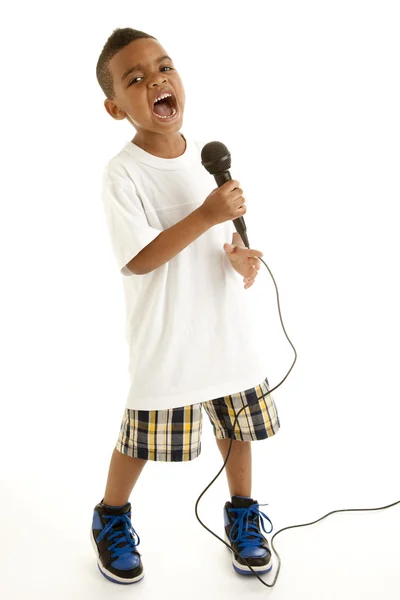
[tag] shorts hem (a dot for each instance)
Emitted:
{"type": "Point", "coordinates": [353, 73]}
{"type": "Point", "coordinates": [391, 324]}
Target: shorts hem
{"type": "Point", "coordinates": [261, 434]}
{"type": "Point", "coordinates": [145, 454]}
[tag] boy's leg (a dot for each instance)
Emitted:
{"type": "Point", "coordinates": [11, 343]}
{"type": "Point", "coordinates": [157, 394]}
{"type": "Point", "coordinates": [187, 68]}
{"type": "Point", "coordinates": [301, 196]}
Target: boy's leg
{"type": "Point", "coordinates": [172, 444]}
{"type": "Point", "coordinates": [243, 521]}
{"type": "Point", "coordinates": [238, 467]}
{"type": "Point", "coordinates": [123, 474]}
{"type": "Point", "coordinates": [257, 421]}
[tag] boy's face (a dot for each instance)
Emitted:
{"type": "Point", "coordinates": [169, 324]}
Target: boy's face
{"type": "Point", "coordinates": [135, 92]}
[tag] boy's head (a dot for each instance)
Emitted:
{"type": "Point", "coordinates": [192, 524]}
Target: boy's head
{"type": "Point", "coordinates": [133, 70]}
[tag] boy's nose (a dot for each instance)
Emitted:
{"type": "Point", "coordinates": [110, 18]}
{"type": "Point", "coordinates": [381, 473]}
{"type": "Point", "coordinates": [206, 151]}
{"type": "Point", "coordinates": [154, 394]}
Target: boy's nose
{"type": "Point", "coordinates": [158, 80]}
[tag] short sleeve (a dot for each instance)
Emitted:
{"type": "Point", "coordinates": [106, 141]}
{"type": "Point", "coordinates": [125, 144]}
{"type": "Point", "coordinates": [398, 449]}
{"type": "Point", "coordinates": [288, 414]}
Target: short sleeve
{"type": "Point", "coordinates": [126, 220]}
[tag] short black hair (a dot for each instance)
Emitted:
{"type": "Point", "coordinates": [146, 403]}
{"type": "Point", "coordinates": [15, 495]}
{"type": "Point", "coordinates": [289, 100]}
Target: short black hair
{"type": "Point", "coordinates": [117, 40]}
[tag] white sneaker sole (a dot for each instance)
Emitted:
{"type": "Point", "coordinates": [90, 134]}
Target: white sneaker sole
{"type": "Point", "coordinates": [243, 569]}
{"type": "Point", "coordinates": [108, 574]}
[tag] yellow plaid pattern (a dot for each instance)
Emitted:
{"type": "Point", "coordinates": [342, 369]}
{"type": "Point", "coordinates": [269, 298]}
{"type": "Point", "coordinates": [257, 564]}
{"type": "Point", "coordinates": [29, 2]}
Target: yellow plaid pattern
{"type": "Point", "coordinates": [174, 435]}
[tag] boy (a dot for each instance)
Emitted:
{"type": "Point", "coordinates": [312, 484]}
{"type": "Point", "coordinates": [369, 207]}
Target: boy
{"type": "Point", "coordinates": [190, 338]}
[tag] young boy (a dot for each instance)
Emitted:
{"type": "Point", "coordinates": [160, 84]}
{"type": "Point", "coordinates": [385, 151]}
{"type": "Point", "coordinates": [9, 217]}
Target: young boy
{"type": "Point", "coordinates": [191, 340]}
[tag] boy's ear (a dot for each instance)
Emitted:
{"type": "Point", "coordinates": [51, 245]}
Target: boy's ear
{"type": "Point", "coordinates": [113, 110]}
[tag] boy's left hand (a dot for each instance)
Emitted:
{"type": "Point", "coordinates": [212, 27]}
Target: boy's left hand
{"type": "Point", "coordinates": [241, 259]}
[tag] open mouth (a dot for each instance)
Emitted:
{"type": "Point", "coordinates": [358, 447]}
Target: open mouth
{"type": "Point", "coordinates": [165, 106]}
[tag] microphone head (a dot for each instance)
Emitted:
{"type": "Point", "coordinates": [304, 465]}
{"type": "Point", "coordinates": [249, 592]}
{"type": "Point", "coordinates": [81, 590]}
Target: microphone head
{"type": "Point", "coordinates": [216, 158]}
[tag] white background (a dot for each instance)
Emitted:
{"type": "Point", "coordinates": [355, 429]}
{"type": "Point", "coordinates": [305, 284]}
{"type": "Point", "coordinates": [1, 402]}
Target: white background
{"type": "Point", "coordinates": [306, 96]}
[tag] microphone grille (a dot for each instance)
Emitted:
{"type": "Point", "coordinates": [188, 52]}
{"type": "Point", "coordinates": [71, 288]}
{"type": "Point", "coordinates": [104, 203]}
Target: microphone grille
{"type": "Point", "coordinates": [216, 158]}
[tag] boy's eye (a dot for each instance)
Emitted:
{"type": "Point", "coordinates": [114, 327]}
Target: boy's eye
{"type": "Point", "coordinates": [136, 78]}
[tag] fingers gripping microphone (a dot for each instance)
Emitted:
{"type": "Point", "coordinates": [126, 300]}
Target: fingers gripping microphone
{"type": "Point", "coordinates": [216, 158]}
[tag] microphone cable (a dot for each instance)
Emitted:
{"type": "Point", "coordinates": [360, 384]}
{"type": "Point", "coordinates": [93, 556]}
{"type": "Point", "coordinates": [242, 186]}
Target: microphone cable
{"type": "Point", "coordinates": [227, 457]}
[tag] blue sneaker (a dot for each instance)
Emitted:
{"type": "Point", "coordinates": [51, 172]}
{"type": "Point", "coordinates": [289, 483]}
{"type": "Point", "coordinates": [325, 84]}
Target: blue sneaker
{"type": "Point", "coordinates": [242, 520]}
{"type": "Point", "coordinates": [115, 541]}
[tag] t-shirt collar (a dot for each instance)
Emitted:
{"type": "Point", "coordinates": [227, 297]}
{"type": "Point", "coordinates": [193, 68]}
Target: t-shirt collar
{"type": "Point", "coordinates": [166, 164]}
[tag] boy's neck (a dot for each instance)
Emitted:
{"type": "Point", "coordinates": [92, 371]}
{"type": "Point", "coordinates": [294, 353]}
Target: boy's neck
{"type": "Point", "coordinates": [163, 146]}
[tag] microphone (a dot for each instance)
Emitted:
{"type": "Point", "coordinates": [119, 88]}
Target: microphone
{"type": "Point", "coordinates": [216, 159]}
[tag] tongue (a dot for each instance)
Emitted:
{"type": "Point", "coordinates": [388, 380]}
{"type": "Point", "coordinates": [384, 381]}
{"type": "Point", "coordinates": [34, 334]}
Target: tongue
{"type": "Point", "coordinates": [163, 108]}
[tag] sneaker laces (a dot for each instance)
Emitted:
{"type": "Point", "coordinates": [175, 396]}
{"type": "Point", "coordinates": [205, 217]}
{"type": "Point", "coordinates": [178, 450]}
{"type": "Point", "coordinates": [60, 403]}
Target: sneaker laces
{"type": "Point", "coordinates": [245, 532]}
{"type": "Point", "coordinates": [123, 532]}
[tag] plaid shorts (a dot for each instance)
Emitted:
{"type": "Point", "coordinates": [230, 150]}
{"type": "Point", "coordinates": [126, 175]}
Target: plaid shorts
{"type": "Point", "coordinates": [174, 435]}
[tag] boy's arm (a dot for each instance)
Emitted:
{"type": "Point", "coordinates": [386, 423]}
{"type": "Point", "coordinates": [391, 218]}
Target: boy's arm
{"type": "Point", "coordinates": [170, 242]}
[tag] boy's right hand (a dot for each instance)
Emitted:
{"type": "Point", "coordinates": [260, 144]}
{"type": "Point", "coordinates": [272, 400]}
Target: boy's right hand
{"type": "Point", "coordinates": [224, 203]}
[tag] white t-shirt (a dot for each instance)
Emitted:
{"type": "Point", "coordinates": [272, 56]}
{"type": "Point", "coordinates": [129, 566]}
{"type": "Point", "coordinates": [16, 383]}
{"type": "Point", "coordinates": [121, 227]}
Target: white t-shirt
{"type": "Point", "coordinates": [190, 335]}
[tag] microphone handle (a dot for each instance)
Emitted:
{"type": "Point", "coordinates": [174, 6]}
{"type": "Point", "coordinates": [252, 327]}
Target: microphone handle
{"type": "Point", "coordinates": [222, 178]}
{"type": "Point", "coordinates": [239, 223]}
